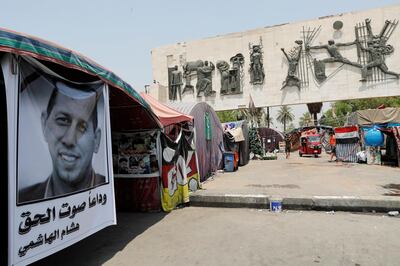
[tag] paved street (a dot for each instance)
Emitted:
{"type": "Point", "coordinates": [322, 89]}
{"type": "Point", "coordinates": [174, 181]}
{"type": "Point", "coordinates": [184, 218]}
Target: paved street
{"type": "Point", "coordinates": [306, 176]}
{"type": "Point", "coordinates": [221, 236]}
{"type": "Point", "coordinates": [218, 236]}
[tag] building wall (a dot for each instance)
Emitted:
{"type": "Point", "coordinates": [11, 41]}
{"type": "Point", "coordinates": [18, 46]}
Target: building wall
{"type": "Point", "coordinates": [343, 81]}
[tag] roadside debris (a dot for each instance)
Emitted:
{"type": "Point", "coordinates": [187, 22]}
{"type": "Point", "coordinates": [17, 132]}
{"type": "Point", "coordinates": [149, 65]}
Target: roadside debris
{"type": "Point", "coordinates": [393, 213]}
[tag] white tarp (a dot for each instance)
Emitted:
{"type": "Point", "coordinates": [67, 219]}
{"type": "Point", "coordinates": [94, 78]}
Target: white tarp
{"type": "Point", "coordinates": [60, 162]}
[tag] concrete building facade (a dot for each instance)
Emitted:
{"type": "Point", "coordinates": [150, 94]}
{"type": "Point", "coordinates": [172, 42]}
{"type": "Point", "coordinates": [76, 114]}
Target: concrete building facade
{"type": "Point", "coordinates": [346, 56]}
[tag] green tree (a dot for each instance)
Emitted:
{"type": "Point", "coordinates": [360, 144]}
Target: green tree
{"type": "Point", "coordinates": [255, 142]}
{"type": "Point", "coordinates": [285, 115]}
{"type": "Point", "coordinates": [306, 120]}
{"type": "Point", "coordinates": [337, 115]}
{"type": "Point", "coordinates": [290, 127]}
{"type": "Point", "coordinates": [228, 116]}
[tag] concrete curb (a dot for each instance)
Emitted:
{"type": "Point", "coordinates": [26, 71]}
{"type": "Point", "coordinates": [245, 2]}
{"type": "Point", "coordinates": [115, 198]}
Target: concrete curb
{"type": "Point", "coordinates": [321, 203]}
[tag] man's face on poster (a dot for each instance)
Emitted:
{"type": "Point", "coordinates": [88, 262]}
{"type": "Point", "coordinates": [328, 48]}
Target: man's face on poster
{"type": "Point", "coordinates": [71, 136]}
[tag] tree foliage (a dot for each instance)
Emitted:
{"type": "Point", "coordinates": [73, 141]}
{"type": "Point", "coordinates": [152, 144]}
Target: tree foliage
{"type": "Point", "coordinates": [255, 142]}
{"type": "Point", "coordinates": [337, 115]}
{"type": "Point", "coordinates": [305, 120]}
{"type": "Point", "coordinates": [285, 115]}
{"type": "Point", "coordinates": [228, 116]}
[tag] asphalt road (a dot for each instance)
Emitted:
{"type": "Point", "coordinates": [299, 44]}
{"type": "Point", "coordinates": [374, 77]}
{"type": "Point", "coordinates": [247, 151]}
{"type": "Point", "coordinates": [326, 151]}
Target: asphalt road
{"type": "Point", "coordinates": [218, 236]}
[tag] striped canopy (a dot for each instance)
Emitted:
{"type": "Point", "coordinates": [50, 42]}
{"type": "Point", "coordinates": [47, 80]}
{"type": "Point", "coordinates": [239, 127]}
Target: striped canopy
{"type": "Point", "coordinates": [21, 44]}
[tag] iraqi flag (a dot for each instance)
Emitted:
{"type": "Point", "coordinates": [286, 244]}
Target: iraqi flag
{"type": "Point", "coordinates": [346, 135]}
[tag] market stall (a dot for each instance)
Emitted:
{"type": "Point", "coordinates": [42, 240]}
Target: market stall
{"type": "Point", "coordinates": [379, 134]}
{"type": "Point", "coordinates": [347, 143]}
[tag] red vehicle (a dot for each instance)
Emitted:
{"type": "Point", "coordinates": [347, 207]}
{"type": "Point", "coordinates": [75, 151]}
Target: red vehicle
{"type": "Point", "coordinates": [310, 144]}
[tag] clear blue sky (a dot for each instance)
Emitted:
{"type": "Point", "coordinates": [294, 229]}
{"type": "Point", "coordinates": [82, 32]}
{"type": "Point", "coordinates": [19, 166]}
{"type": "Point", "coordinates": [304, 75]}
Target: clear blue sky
{"type": "Point", "coordinates": [120, 34]}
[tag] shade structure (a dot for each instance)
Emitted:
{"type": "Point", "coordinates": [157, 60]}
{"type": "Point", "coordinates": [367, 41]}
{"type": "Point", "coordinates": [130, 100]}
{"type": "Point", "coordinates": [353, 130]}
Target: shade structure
{"type": "Point", "coordinates": [165, 114]}
{"type": "Point", "coordinates": [375, 116]}
{"type": "Point", "coordinates": [209, 136]}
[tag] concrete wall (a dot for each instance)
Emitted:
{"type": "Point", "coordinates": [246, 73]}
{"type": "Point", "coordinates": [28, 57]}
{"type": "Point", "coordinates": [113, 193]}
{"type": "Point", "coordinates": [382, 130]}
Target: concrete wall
{"type": "Point", "coordinates": [343, 81]}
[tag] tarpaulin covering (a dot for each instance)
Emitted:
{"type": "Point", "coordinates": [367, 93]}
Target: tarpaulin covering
{"type": "Point", "coordinates": [167, 115]}
{"type": "Point", "coordinates": [209, 150]}
{"type": "Point", "coordinates": [179, 171]}
{"type": "Point", "coordinates": [243, 146]}
{"type": "Point", "coordinates": [375, 116]}
{"type": "Point", "coordinates": [347, 143]}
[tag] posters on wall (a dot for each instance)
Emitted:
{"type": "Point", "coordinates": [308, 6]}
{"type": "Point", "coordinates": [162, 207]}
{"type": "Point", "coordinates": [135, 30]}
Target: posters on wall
{"type": "Point", "coordinates": [135, 153]}
{"type": "Point", "coordinates": [60, 174]}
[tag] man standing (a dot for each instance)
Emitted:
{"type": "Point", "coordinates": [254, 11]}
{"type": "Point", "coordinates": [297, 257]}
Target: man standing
{"type": "Point", "coordinates": [332, 143]}
{"type": "Point", "coordinates": [288, 146]}
{"type": "Point", "coordinates": [69, 126]}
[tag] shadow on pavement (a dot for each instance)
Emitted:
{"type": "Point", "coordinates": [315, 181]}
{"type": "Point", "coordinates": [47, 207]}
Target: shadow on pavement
{"type": "Point", "coordinates": [102, 246]}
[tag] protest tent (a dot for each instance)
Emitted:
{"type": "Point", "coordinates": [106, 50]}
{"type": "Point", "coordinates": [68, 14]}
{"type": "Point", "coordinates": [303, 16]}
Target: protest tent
{"type": "Point", "coordinates": [26, 62]}
{"type": "Point", "coordinates": [270, 138]}
{"type": "Point", "coordinates": [171, 147]}
{"type": "Point", "coordinates": [208, 136]}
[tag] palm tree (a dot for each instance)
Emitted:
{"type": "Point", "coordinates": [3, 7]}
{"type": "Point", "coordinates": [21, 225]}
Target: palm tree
{"type": "Point", "coordinates": [285, 115]}
{"type": "Point", "coordinates": [305, 120]}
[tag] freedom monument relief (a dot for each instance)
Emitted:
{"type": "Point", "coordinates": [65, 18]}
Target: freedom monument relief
{"type": "Point", "coordinates": [347, 56]}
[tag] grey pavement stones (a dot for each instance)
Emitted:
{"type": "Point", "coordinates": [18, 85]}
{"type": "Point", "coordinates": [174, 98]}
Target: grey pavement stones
{"type": "Point", "coordinates": [302, 184]}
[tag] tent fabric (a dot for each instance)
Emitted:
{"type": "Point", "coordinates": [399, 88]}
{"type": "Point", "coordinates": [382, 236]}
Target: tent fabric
{"type": "Point", "coordinates": [347, 152]}
{"type": "Point", "coordinates": [237, 134]}
{"type": "Point", "coordinates": [21, 44]}
{"type": "Point", "coordinates": [270, 138]}
{"type": "Point", "coordinates": [375, 116]}
{"type": "Point", "coordinates": [166, 115]}
{"type": "Point", "coordinates": [209, 151]}
{"type": "Point", "coordinates": [138, 194]}
{"type": "Point", "coordinates": [129, 111]}
{"type": "Point", "coordinates": [347, 143]}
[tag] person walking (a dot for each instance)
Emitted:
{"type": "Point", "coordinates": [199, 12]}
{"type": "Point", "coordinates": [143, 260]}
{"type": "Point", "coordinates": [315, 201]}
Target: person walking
{"type": "Point", "coordinates": [332, 143]}
{"type": "Point", "coordinates": [287, 147]}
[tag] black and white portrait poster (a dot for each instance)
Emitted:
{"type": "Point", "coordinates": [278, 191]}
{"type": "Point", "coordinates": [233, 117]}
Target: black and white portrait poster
{"type": "Point", "coordinates": [60, 161]}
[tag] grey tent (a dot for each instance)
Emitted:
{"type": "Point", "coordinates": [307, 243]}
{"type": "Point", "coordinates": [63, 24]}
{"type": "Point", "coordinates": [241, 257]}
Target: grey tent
{"type": "Point", "coordinates": [209, 136]}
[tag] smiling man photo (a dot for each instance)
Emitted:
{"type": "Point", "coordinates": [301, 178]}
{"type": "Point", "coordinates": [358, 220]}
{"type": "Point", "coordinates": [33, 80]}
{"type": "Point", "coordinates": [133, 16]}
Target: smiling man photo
{"type": "Point", "coordinates": [70, 128]}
